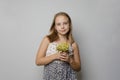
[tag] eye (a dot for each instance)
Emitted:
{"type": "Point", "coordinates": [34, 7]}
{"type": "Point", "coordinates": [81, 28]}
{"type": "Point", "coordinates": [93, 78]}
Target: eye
{"type": "Point", "coordinates": [57, 24]}
{"type": "Point", "coordinates": [65, 23]}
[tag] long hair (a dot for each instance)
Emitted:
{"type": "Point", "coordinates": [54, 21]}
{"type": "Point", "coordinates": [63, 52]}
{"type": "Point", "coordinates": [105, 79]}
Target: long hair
{"type": "Point", "coordinates": [53, 36]}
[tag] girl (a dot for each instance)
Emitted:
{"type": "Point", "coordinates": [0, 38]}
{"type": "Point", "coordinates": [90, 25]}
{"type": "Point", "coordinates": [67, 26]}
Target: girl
{"type": "Point", "coordinates": [59, 65]}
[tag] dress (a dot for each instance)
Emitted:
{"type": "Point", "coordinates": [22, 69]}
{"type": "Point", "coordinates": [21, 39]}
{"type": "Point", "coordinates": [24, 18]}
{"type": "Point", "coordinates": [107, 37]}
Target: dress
{"type": "Point", "coordinates": [57, 70]}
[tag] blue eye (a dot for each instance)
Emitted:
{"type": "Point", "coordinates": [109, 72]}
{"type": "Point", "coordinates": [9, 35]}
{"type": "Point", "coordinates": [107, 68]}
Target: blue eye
{"type": "Point", "coordinates": [65, 23]}
{"type": "Point", "coordinates": [57, 24]}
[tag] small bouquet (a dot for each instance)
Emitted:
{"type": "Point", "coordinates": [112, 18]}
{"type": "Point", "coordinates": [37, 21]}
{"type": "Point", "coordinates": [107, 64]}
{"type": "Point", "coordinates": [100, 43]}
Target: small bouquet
{"type": "Point", "coordinates": [63, 47]}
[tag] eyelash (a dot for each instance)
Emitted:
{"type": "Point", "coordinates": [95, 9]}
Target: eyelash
{"type": "Point", "coordinates": [63, 23]}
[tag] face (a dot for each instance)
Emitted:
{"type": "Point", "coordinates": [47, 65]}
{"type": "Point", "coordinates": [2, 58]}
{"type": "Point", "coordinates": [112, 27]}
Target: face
{"type": "Point", "coordinates": [62, 24]}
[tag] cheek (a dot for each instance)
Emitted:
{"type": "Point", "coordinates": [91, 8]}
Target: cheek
{"type": "Point", "coordinates": [57, 28]}
{"type": "Point", "coordinates": [67, 27]}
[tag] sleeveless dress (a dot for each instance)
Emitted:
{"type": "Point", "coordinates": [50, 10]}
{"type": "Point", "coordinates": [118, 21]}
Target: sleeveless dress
{"type": "Point", "coordinates": [58, 70]}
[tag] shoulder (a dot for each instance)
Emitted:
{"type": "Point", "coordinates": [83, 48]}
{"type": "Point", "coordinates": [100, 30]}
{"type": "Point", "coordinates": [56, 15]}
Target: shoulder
{"type": "Point", "coordinates": [46, 40]}
{"type": "Point", "coordinates": [75, 45]}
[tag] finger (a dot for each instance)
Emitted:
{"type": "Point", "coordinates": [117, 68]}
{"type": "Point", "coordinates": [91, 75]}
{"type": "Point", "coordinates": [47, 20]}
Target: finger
{"type": "Point", "coordinates": [64, 55]}
{"type": "Point", "coordinates": [64, 60]}
{"type": "Point", "coordinates": [60, 52]}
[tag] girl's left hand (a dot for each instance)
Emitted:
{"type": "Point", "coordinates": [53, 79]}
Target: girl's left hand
{"type": "Point", "coordinates": [64, 57]}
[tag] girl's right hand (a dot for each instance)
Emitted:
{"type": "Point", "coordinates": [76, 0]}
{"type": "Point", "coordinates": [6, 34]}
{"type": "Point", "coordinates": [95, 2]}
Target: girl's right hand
{"type": "Point", "coordinates": [64, 57]}
{"type": "Point", "coordinates": [58, 55]}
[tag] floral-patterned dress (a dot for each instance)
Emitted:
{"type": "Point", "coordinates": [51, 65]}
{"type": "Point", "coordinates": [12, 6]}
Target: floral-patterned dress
{"type": "Point", "coordinates": [57, 70]}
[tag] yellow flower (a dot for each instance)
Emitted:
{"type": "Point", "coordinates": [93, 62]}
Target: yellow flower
{"type": "Point", "coordinates": [64, 47]}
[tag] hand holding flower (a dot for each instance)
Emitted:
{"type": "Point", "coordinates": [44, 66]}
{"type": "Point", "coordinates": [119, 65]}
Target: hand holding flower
{"type": "Point", "coordinates": [63, 48]}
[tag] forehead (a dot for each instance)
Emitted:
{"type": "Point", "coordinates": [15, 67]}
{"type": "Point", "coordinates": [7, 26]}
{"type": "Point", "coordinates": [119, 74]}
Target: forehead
{"type": "Point", "coordinates": [61, 18]}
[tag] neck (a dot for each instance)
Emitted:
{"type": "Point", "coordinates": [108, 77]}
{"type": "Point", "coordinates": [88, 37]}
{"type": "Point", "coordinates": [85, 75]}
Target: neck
{"type": "Point", "coordinates": [62, 38]}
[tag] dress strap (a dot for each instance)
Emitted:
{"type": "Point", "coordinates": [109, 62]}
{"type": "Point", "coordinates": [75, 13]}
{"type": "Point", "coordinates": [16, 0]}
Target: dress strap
{"type": "Point", "coordinates": [70, 50]}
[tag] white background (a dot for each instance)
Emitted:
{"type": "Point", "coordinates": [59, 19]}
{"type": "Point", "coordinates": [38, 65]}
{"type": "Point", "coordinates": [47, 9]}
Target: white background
{"type": "Point", "coordinates": [96, 28]}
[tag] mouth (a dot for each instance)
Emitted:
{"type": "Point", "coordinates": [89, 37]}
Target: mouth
{"type": "Point", "coordinates": [63, 30]}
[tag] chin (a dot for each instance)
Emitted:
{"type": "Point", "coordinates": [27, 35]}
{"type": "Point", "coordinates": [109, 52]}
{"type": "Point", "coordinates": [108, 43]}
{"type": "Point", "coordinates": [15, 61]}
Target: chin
{"type": "Point", "coordinates": [63, 34]}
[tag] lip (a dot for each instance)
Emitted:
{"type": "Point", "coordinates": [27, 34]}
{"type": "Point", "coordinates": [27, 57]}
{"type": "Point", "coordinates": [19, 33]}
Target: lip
{"type": "Point", "coordinates": [62, 30]}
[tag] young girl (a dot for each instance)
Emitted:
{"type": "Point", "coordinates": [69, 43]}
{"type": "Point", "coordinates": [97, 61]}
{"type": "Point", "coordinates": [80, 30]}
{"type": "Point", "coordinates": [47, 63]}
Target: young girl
{"type": "Point", "coordinates": [59, 65]}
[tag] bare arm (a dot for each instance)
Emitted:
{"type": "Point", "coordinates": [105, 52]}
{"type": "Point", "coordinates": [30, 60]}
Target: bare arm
{"type": "Point", "coordinates": [75, 60]}
{"type": "Point", "coordinates": [41, 58]}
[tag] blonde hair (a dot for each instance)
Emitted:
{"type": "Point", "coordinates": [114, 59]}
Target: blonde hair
{"type": "Point", "coordinates": [53, 33]}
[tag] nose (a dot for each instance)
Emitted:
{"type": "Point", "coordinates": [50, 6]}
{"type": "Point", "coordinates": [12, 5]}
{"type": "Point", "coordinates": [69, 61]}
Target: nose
{"type": "Point", "coordinates": [62, 26]}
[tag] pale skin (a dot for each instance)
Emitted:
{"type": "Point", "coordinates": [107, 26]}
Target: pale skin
{"type": "Point", "coordinates": [62, 27]}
